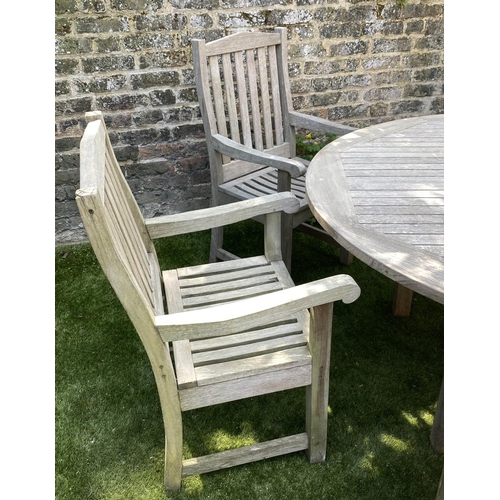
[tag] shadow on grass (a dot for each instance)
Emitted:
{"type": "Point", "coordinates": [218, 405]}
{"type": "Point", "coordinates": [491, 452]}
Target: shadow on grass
{"type": "Point", "coordinates": [385, 378]}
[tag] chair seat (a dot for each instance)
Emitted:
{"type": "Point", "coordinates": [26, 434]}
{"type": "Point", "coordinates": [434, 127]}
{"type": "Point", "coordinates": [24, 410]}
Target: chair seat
{"type": "Point", "coordinates": [262, 182]}
{"type": "Point", "coordinates": [232, 358]}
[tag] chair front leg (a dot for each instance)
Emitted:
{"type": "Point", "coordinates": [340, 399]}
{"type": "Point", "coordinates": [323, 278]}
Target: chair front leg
{"type": "Point", "coordinates": [285, 184]}
{"type": "Point", "coordinates": [173, 461]}
{"type": "Point", "coordinates": [320, 340]}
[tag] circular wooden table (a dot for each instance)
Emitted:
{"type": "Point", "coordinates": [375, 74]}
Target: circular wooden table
{"type": "Point", "coordinates": [379, 192]}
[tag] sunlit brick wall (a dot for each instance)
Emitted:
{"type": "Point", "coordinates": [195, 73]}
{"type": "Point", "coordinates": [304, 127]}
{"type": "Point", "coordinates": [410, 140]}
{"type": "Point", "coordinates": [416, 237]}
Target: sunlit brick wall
{"type": "Point", "coordinates": [353, 61]}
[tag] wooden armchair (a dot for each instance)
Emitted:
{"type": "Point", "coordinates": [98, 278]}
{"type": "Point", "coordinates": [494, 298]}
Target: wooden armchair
{"type": "Point", "coordinates": [245, 100]}
{"type": "Point", "coordinates": [234, 329]}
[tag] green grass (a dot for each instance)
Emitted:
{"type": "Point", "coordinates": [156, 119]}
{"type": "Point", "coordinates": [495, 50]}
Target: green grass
{"type": "Point", "coordinates": [385, 378]}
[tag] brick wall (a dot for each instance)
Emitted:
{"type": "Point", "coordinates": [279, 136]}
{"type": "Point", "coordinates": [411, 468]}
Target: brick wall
{"type": "Point", "coordinates": [353, 61]}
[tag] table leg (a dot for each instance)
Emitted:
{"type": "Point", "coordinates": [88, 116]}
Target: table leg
{"type": "Point", "coordinates": [401, 304]}
{"type": "Point", "coordinates": [437, 433]}
{"type": "Point", "coordinates": [346, 258]}
{"type": "Point", "coordinates": [437, 437]}
{"type": "Point", "coordinates": [440, 491]}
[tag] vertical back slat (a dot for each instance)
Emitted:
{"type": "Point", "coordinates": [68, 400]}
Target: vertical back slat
{"type": "Point", "coordinates": [254, 100]}
{"type": "Point", "coordinates": [286, 94]}
{"type": "Point", "coordinates": [264, 96]}
{"type": "Point", "coordinates": [275, 91]}
{"type": "Point", "coordinates": [227, 69]}
{"type": "Point", "coordinates": [123, 212]}
{"type": "Point", "coordinates": [243, 99]}
{"type": "Point", "coordinates": [220, 114]}
{"type": "Point", "coordinates": [133, 251]}
{"type": "Point", "coordinates": [136, 217]}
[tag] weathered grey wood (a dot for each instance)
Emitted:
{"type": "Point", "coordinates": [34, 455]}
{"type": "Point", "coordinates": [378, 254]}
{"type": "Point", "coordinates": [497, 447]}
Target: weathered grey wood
{"type": "Point", "coordinates": [94, 207]}
{"type": "Point", "coordinates": [239, 328]}
{"type": "Point", "coordinates": [244, 455]}
{"type": "Point", "coordinates": [310, 122]}
{"type": "Point", "coordinates": [234, 149]}
{"type": "Point", "coordinates": [243, 41]}
{"type": "Point", "coordinates": [320, 342]}
{"type": "Point", "coordinates": [254, 365]}
{"type": "Point", "coordinates": [184, 367]}
{"type": "Point", "coordinates": [255, 311]}
{"type": "Point", "coordinates": [199, 220]}
{"type": "Point", "coordinates": [405, 243]}
{"type": "Point", "coordinates": [276, 95]}
{"type": "Point", "coordinates": [222, 254]}
{"type": "Point", "coordinates": [272, 237]}
{"type": "Point", "coordinates": [271, 332]}
{"type": "Point", "coordinates": [219, 267]}
{"type": "Point", "coordinates": [253, 96]}
{"type": "Point", "coordinates": [257, 385]}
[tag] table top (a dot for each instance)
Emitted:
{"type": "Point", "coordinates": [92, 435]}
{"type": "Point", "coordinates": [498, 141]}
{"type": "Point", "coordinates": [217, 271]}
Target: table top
{"type": "Point", "coordinates": [379, 192]}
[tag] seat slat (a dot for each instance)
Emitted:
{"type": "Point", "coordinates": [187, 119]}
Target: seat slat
{"type": "Point", "coordinates": [219, 267]}
{"type": "Point", "coordinates": [249, 350]}
{"type": "Point", "coordinates": [229, 370]}
{"type": "Point", "coordinates": [269, 182]}
{"type": "Point", "coordinates": [217, 298]}
{"type": "Point", "coordinates": [299, 183]}
{"type": "Point", "coordinates": [247, 337]}
{"type": "Point", "coordinates": [227, 276]}
{"type": "Point", "coordinates": [260, 183]}
{"type": "Point", "coordinates": [252, 190]}
{"type": "Point", "coordinates": [205, 290]}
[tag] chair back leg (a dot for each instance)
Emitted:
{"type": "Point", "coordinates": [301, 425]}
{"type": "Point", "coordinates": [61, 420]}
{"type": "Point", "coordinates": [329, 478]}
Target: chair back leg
{"type": "Point", "coordinates": [216, 240]}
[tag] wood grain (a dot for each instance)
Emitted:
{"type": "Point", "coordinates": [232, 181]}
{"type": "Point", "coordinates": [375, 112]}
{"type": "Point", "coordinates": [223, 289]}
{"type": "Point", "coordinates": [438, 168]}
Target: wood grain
{"type": "Point", "coordinates": [388, 185]}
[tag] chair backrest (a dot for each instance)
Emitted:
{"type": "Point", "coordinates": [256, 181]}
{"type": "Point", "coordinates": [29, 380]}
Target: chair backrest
{"type": "Point", "coordinates": [118, 235]}
{"type": "Point", "coordinates": [244, 94]}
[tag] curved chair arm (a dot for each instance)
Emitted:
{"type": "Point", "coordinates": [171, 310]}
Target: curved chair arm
{"type": "Point", "coordinates": [236, 150]}
{"type": "Point", "coordinates": [255, 311]}
{"type": "Point", "coordinates": [311, 122]}
{"type": "Point", "coordinates": [207, 218]}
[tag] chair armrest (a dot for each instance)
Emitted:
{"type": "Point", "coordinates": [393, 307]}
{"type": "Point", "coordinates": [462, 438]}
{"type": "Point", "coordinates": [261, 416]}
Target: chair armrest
{"type": "Point", "coordinates": [207, 218]}
{"type": "Point", "coordinates": [236, 150]}
{"type": "Point", "coordinates": [311, 122]}
{"type": "Point", "coordinates": [256, 311]}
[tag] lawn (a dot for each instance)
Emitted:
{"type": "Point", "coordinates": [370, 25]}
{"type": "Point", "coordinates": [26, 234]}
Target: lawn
{"type": "Point", "coordinates": [386, 374]}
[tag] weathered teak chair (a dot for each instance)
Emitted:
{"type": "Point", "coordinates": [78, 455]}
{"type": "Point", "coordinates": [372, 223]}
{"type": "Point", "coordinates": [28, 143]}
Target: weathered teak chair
{"type": "Point", "coordinates": [237, 329]}
{"type": "Point", "coordinates": [248, 117]}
